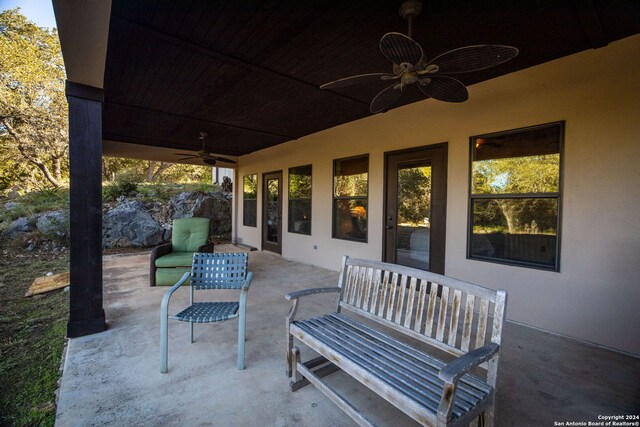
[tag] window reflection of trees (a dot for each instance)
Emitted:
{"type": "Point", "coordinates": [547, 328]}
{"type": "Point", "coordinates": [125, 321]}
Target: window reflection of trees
{"type": "Point", "coordinates": [515, 196]}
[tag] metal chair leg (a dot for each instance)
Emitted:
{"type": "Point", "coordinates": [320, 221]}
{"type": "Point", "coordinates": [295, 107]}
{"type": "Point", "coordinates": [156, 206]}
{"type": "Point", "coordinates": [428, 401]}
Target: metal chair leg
{"type": "Point", "coordinates": [164, 341]}
{"type": "Point", "coordinates": [191, 332]}
{"type": "Point", "coordinates": [241, 332]}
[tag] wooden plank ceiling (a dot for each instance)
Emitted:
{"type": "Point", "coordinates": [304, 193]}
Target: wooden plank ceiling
{"type": "Point", "coordinates": [247, 72]}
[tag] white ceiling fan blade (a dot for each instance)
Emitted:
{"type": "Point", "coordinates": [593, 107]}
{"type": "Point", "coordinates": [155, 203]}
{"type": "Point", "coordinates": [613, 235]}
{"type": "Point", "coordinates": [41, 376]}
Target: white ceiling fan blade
{"type": "Point", "coordinates": [398, 48]}
{"type": "Point", "coordinates": [385, 98]}
{"type": "Point", "coordinates": [473, 58]}
{"type": "Point", "coordinates": [358, 79]}
{"type": "Point", "coordinates": [445, 88]}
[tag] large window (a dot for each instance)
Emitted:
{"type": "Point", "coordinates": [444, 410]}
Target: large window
{"type": "Point", "coordinates": [515, 196]}
{"type": "Point", "coordinates": [250, 200]}
{"type": "Point", "coordinates": [300, 200]}
{"type": "Point", "coordinates": [350, 198]}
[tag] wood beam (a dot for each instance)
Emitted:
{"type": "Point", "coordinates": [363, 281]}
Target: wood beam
{"type": "Point", "coordinates": [212, 53]}
{"type": "Point", "coordinates": [86, 313]}
{"type": "Point", "coordinates": [588, 15]}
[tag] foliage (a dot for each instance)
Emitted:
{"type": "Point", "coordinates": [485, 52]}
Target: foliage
{"type": "Point", "coordinates": [118, 169]}
{"type": "Point", "coordinates": [250, 186]}
{"type": "Point", "coordinates": [516, 175]}
{"type": "Point", "coordinates": [351, 185]}
{"type": "Point", "coordinates": [300, 183]}
{"type": "Point", "coordinates": [414, 195]}
{"type": "Point", "coordinates": [123, 187]}
{"type": "Point", "coordinates": [35, 202]}
{"type": "Point", "coordinates": [33, 107]}
{"type": "Point", "coordinates": [32, 332]}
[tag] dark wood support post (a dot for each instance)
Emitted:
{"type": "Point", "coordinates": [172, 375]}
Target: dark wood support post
{"type": "Point", "coordinates": [86, 314]}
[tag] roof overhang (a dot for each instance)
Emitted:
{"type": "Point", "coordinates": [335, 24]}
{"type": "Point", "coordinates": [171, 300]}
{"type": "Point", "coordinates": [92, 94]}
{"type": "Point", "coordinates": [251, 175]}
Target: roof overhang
{"type": "Point", "coordinates": [248, 73]}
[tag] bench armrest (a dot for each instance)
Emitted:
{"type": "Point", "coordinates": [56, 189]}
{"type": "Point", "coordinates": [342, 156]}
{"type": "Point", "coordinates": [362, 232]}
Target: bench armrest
{"type": "Point", "coordinates": [452, 372]}
{"type": "Point", "coordinates": [312, 291]}
{"type": "Point", "coordinates": [294, 298]}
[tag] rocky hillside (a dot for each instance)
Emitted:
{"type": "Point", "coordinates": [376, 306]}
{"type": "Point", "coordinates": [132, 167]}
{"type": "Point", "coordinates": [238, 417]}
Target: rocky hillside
{"type": "Point", "coordinates": [136, 220]}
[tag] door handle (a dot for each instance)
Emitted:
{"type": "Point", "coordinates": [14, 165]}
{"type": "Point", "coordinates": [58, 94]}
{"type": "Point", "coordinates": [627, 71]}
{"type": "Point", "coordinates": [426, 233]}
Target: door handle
{"type": "Point", "coordinates": [389, 227]}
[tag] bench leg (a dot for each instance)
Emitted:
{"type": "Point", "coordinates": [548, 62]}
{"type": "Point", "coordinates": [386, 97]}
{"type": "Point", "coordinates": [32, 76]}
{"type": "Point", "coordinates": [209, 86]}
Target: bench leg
{"type": "Point", "coordinates": [289, 353]}
{"type": "Point", "coordinates": [488, 417]}
{"type": "Point", "coordinates": [297, 377]}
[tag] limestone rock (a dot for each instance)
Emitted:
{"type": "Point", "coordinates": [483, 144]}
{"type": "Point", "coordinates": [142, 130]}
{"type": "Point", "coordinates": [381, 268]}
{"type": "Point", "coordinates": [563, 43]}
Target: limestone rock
{"type": "Point", "coordinates": [55, 223]}
{"type": "Point", "coordinates": [215, 206]}
{"type": "Point", "coordinates": [20, 225]}
{"type": "Point", "coordinates": [130, 224]}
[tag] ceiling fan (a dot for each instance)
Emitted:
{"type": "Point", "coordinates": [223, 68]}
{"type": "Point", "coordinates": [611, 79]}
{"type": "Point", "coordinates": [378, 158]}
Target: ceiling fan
{"type": "Point", "coordinates": [205, 155]}
{"type": "Point", "coordinates": [410, 66]}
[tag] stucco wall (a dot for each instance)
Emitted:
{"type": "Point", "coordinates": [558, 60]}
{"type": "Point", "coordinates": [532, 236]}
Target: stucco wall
{"type": "Point", "coordinates": [596, 295]}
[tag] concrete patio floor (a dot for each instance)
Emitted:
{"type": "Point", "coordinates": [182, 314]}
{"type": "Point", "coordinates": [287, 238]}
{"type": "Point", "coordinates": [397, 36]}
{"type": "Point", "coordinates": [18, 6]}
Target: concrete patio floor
{"type": "Point", "coordinates": [113, 378]}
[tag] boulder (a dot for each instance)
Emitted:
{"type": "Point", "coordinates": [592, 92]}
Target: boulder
{"type": "Point", "coordinates": [54, 224]}
{"type": "Point", "coordinates": [130, 224]}
{"type": "Point", "coordinates": [215, 206]}
{"type": "Point", "coordinates": [20, 225]}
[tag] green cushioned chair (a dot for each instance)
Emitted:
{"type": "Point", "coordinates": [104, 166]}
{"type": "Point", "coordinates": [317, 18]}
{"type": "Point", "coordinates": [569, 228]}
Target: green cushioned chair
{"type": "Point", "coordinates": [171, 260]}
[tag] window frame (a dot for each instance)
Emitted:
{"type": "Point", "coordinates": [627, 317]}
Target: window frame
{"type": "Point", "coordinates": [335, 198]}
{"type": "Point", "coordinates": [549, 195]}
{"type": "Point", "coordinates": [245, 199]}
{"type": "Point", "coordinates": [290, 227]}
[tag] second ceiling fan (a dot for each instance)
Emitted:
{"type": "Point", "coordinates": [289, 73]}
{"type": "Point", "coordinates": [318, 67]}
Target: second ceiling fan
{"type": "Point", "coordinates": [203, 154]}
{"type": "Point", "coordinates": [410, 66]}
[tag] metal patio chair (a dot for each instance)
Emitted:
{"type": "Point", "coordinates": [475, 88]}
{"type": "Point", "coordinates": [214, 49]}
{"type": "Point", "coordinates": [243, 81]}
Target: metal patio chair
{"type": "Point", "coordinates": [210, 271]}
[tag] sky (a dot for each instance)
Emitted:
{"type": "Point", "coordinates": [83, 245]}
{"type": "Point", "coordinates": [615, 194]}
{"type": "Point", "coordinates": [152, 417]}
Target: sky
{"type": "Point", "coordinates": [38, 11]}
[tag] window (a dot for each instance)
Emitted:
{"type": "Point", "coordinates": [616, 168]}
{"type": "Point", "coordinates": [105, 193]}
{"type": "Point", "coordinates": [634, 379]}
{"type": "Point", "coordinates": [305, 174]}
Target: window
{"type": "Point", "coordinates": [350, 202]}
{"type": "Point", "coordinates": [250, 200]}
{"type": "Point", "coordinates": [515, 196]}
{"type": "Point", "coordinates": [300, 200]}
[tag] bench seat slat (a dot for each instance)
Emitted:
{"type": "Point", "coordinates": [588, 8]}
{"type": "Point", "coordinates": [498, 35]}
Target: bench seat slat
{"type": "Point", "coordinates": [374, 366]}
{"type": "Point", "coordinates": [414, 367]}
{"type": "Point", "coordinates": [392, 372]}
{"type": "Point", "coordinates": [403, 348]}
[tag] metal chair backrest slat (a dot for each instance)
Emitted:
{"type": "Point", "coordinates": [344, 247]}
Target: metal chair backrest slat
{"type": "Point", "coordinates": [218, 270]}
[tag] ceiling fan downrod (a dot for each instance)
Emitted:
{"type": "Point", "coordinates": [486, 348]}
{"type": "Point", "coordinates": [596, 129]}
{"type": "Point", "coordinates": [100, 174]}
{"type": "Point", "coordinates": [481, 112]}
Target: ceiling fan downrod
{"type": "Point", "coordinates": [409, 10]}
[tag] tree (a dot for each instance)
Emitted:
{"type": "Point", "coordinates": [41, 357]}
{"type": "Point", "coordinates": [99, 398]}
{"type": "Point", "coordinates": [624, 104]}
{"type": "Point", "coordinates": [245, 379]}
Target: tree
{"type": "Point", "coordinates": [33, 106]}
{"type": "Point", "coordinates": [517, 175]}
{"type": "Point", "coordinates": [154, 173]}
{"type": "Point", "coordinates": [414, 194]}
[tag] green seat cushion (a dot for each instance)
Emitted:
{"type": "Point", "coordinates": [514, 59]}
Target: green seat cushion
{"type": "Point", "coordinates": [189, 233]}
{"type": "Point", "coordinates": [175, 259]}
{"type": "Point", "coordinates": [170, 276]}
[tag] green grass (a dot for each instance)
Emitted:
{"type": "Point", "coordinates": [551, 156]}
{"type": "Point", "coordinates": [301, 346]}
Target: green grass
{"type": "Point", "coordinates": [32, 332]}
{"type": "Point", "coordinates": [33, 203]}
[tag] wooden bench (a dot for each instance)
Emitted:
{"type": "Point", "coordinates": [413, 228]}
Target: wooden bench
{"type": "Point", "coordinates": [449, 315]}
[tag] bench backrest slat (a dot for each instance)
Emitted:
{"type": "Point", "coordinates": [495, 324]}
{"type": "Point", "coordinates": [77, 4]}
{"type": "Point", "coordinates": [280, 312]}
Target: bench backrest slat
{"type": "Point", "coordinates": [481, 331]}
{"type": "Point", "coordinates": [467, 322]}
{"type": "Point", "coordinates": [422, 295]}
{"type": "Point", "coordinates": [447, 313]}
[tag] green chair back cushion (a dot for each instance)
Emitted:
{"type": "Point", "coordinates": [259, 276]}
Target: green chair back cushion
{"type": "Point", "coordinates": [189, 233]}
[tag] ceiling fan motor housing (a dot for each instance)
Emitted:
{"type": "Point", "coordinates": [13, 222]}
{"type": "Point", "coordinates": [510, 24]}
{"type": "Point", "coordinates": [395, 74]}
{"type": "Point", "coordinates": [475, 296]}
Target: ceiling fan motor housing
{"type": "Point", "coordinates": [410, 8]}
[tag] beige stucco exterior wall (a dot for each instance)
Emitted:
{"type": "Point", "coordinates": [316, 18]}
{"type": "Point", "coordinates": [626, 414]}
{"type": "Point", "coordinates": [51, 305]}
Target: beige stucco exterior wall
{"type": "Point", "coordinates": [596, 295]}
